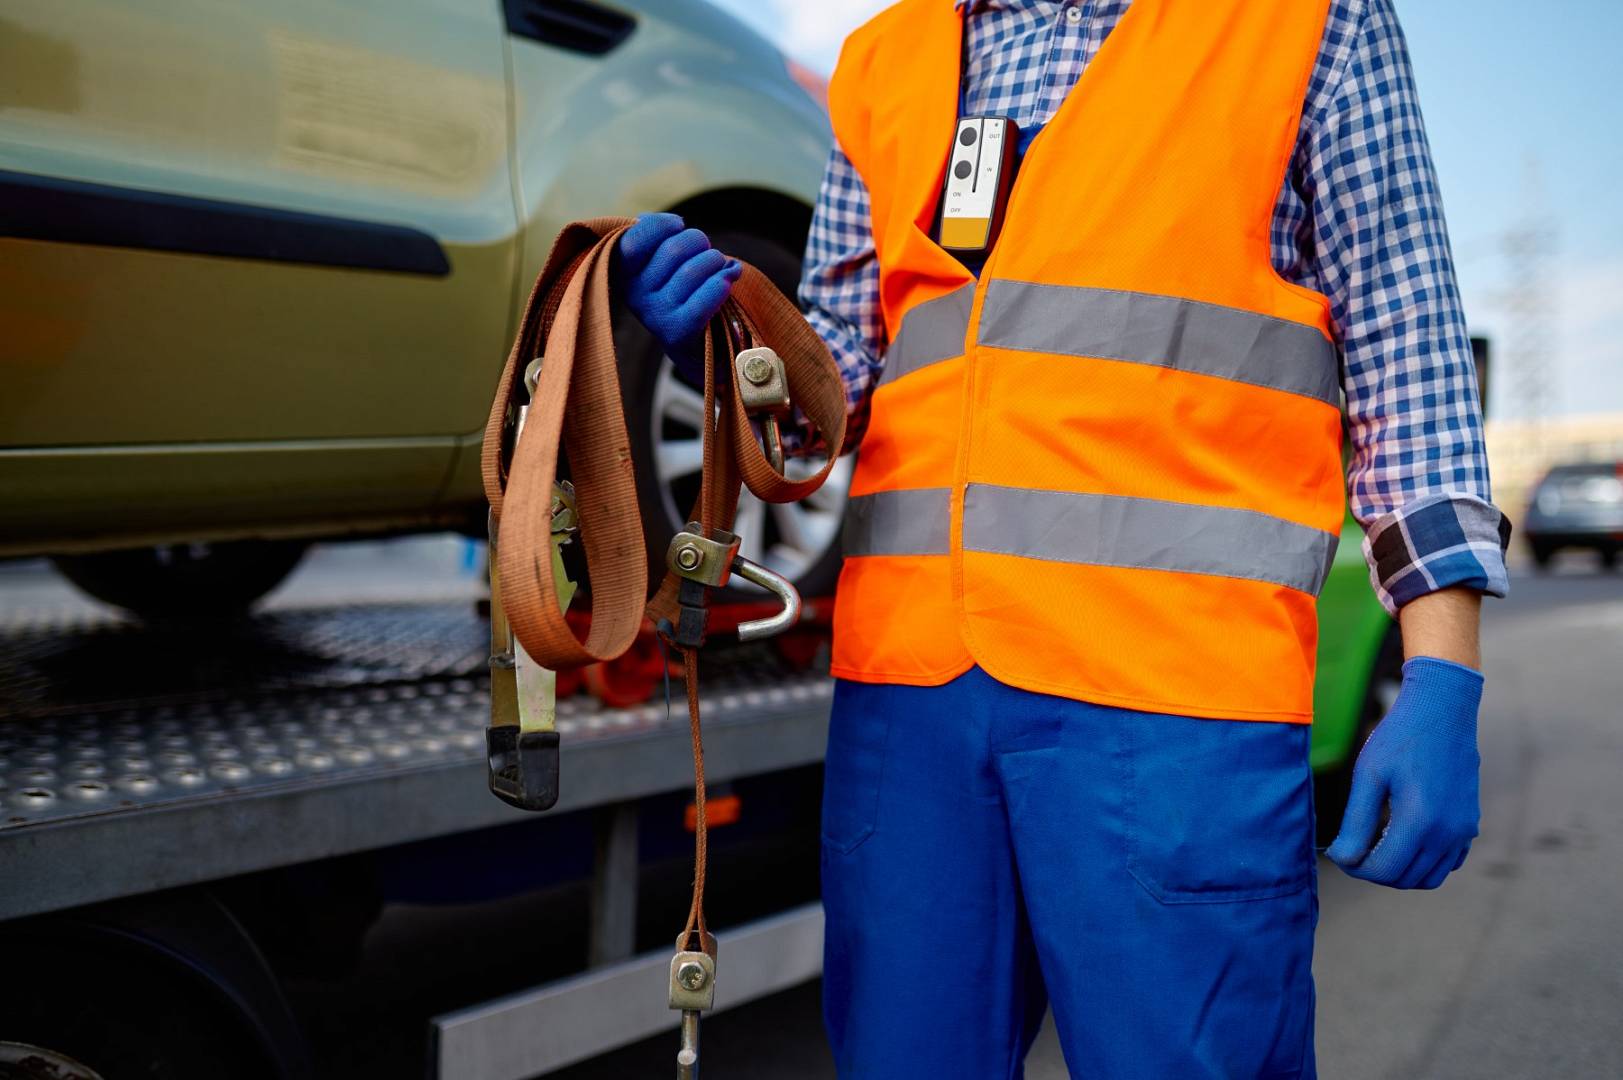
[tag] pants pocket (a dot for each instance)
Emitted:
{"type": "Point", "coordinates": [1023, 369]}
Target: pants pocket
{"type": "Point", "coordinates": [1216, 811]}
{"type": "Point", "coordinates": [854, 766]}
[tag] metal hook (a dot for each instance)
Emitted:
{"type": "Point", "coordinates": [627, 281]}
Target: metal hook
{"type": "Point", "coordinates": [778, 586]}
{"type": "Point", "coordinates": [712, 562]}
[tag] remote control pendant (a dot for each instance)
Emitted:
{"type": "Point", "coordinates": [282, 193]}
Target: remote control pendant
{"type": "Point", "coordinates": [980, 173]}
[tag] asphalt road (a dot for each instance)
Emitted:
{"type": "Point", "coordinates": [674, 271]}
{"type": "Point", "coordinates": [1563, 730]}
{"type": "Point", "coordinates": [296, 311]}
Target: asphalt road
{"type": "Point", "coordinates": [1513, 969]}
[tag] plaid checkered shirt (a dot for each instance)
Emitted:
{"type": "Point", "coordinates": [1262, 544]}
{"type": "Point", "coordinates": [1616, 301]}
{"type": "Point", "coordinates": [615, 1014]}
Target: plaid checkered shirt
{"type": "Point", "coordinates": [1359, 218]}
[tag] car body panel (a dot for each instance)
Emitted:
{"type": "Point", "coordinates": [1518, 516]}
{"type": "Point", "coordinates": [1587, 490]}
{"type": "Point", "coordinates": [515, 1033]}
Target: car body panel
{"type": "Point", "coordinates": [680, 115]}
{"type": "Point", "coordinates": [214, 491]}
{"type": "Point", "coordinates": [699, 104]}
{"type": "Point", "coordinates": [384, 113]}
{"type": "Point", "coordinates": [1352, 628]}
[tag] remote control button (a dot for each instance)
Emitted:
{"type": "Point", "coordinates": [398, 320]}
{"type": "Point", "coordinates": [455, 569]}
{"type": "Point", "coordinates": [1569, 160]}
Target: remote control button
{"type": "Point", "coordinates": [962, 170]}
{"type": "Point", "coordinates": [967, 136]}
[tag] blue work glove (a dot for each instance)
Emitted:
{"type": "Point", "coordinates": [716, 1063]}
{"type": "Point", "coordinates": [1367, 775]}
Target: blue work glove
{"type": "Point", "coordinates": [674, 282]}
{"type": "Point", "coordinates": [1422, 757]}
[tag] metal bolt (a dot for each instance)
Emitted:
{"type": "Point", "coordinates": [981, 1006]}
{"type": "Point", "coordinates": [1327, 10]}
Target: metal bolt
{"type": "Point", "coordinates": [758, 370]}
{"type": "Point", "coordinates": [688, 557]}
{"type": "Point", "coordinates": [691, 975]}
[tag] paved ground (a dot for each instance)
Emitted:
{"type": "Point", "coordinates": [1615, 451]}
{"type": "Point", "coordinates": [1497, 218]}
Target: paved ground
{"type": "Point", "coordinates": [1514, 969]}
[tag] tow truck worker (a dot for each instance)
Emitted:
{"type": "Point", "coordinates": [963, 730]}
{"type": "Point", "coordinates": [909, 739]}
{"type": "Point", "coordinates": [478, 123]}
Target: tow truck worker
{"type": "Point", "coordinates": [1099, 488]}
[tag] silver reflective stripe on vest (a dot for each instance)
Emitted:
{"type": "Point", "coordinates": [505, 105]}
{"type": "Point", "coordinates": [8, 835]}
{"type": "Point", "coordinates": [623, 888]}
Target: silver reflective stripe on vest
{"type": "Point", "coordinates": [931, 332]}
{"type": "Point", "coordinates": [1146, 534]}
{"type": "Point", "coordinates": [1142, 328]}
{"type": "Point", "coordinates": [912, 522]}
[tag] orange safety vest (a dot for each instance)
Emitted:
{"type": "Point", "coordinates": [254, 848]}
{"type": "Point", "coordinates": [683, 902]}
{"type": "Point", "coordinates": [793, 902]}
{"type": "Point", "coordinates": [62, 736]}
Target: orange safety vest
{"type": "Point", "coordinates": [1110, 469]}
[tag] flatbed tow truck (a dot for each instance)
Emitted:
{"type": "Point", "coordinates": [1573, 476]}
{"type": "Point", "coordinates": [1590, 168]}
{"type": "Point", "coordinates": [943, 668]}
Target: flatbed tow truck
{"type": "Point", "coordinates": [198, 799]}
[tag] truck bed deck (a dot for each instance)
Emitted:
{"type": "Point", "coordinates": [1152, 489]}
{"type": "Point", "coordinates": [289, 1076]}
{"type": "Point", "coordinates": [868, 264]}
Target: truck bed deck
{"type": "Point", "coordinates": [136, 758]}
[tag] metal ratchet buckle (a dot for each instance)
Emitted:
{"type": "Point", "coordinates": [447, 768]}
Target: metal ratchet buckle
{"type": "Point", "coordinates": [763, 388]}
{"type": "Point", "coordinates": [709, 562]}
{"type": "Point", "coordinates": [521, 743]}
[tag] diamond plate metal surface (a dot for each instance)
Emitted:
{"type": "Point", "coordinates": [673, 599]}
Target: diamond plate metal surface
{"type": "Point", "coordinates": [51, 666]}
{"type": "Point", "coordinates": [104, 716]}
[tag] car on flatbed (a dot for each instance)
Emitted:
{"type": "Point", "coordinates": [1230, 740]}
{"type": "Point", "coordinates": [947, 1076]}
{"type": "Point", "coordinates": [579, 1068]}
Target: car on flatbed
{"type": "Point", "coordinates": [262, 264]}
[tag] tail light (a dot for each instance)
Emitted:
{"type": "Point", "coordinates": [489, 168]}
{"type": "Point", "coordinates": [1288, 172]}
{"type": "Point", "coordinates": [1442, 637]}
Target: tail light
{"type": "Point", "coordinates": [719, 811]}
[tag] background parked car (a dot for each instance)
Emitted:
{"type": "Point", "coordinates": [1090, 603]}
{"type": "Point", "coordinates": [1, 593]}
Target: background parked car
{"type": "Point", "coordinates": [1577, 506]}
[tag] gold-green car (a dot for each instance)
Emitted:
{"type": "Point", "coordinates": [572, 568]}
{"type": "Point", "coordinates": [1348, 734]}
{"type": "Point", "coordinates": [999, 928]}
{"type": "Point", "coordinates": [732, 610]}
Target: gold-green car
{"type": "Point", "coordinates": [260, 263]}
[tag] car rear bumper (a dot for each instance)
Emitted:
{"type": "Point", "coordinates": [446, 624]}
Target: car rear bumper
{"type": "Point", "coordinates": [1569, 536]}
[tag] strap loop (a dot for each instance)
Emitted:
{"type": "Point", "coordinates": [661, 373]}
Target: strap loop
{"type": "Point", "coordinates": [576, 406]}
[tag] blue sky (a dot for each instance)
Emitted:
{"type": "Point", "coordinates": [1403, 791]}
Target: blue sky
{"type": "Point", "coordinates": [1508, 96]}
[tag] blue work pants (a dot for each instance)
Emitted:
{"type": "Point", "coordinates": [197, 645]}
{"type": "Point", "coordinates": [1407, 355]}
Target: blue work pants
{"type": "Point", "coordinates": [989, 852]}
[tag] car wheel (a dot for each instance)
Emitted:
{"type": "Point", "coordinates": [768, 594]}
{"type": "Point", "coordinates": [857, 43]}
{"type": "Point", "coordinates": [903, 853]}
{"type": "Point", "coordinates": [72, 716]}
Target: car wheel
{"type": "Point", "coordinates": [1542, 553]}
{"type": "Point", "coordinates": [1332, 787]}
{"type": "Point", "coordinates": [184, 580]}
{"type": "Point", "coordinates": [800, 540]}
{"type": "Point", "coordinates": [22, 1061]}
{"type": "Point", "coordinates": [93, 1003]}
{"type": "Point", "coordinates": [1608, 558]}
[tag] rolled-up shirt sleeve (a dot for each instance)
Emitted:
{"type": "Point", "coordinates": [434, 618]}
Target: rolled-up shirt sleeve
{"type": "Point", "coordinates": [1418, 472]}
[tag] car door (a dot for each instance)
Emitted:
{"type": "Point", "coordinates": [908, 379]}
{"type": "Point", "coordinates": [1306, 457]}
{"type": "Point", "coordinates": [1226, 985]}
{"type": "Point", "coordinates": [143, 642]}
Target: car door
{"type": "Point", "coordinates": [245, 250]}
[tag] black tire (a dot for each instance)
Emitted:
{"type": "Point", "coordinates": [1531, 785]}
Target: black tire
{"type": "Point", "coordinates": [128, 1007]}
{"type": "Point", "coordinates": [1333, 786]}
{"type": "Point", "coordinates": [640, 366]}
{"type": "Point", "coordinates": [1542, 554]}
{"type": "Point", "coordinates": [185, 580]}
{"type": "Point", "coordinates": [1608, 558]}
{"type": "Point", "coordinates": [22, 1061]}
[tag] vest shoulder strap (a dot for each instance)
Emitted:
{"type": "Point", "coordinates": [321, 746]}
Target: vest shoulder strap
{"type": "Point", "coordinates": [875, 53]}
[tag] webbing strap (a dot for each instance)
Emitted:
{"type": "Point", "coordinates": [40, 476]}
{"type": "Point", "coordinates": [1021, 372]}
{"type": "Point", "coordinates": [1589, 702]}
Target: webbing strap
{"type": "Point", "coordinates": [576, 406]}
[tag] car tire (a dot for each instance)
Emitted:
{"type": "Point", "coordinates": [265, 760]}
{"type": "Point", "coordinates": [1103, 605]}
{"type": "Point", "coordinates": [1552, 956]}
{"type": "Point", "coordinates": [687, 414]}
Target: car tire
{"type": "Point", "coordinates": [1542, 554]}
{"type": "Point", "coordinates": [799, 540]}
{"type": "Point", "coordinates": [1333, 786]}
{"type": "Point", "coordinates": [184, 580]}
{"type": "Point", "coordinates": [107, 1002]}
{"type": "Point", "coordinates": [1608, 558]}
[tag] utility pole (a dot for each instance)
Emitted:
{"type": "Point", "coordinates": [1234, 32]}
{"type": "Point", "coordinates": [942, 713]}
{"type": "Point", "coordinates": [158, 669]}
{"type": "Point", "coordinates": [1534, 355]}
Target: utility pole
{"type": "Point", "coordinates": [1529, 249]}
{"type": "Point", "coordinates": [1529, 304]}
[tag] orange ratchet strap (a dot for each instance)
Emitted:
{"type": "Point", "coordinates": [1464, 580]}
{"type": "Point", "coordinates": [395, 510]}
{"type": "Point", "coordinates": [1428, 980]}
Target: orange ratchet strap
{"type": "Point", "coordinates": [761, 358]}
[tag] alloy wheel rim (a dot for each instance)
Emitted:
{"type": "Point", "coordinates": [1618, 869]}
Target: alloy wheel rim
{"type": "Point", "coordinates": [788, 538]}
{"type": "Point", "coordinates": [37, 1063]}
